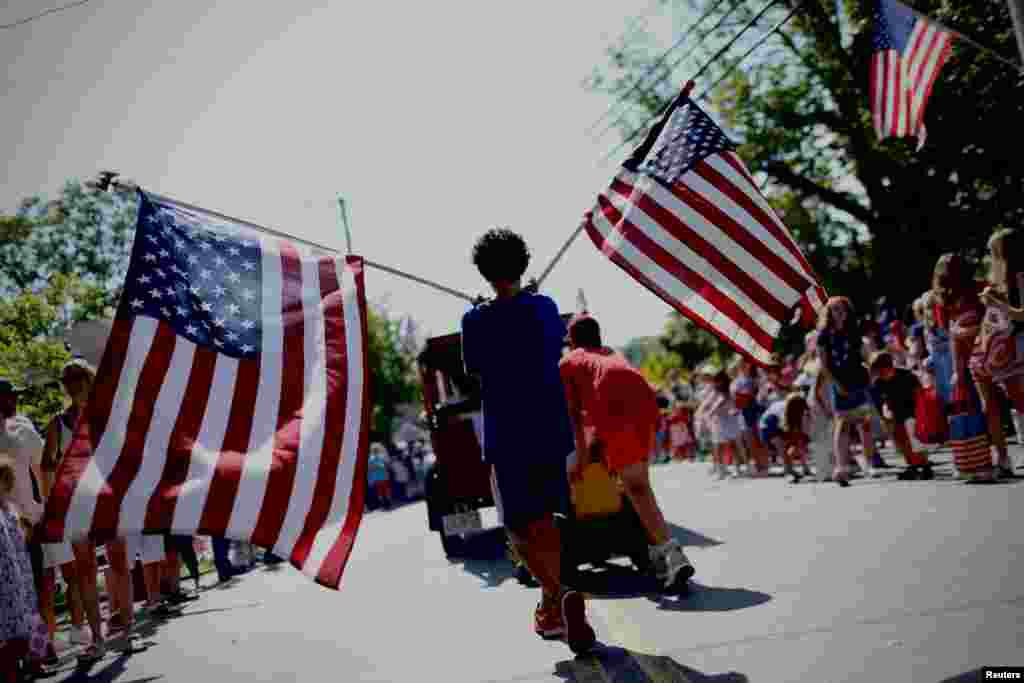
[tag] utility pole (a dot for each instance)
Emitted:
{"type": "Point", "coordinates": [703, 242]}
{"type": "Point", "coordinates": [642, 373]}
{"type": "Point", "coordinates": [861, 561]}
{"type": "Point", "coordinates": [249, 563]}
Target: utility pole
{"type": "Point", "coordinates": [1017, 15]}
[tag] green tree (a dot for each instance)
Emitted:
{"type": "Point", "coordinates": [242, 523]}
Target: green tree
{"type": "Point", "coordinates": [877, 214]}
{"type": "Point", "coordinates": [83, 233]}
{"type": "Point", "coordinates": [32, 351]}
{"type": "Point", "coordinates": [393, 378]}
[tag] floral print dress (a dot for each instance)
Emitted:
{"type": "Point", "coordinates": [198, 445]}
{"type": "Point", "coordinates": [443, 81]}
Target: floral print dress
{"type": "Point", "coordinates": [17, 589]}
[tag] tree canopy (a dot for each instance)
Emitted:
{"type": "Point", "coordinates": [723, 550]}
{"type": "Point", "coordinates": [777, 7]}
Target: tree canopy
{"type": "Point", "coordinates": [872, 216]}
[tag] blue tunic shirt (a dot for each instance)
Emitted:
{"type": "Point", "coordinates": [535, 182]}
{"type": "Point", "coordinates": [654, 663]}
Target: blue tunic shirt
{"type": "Point", "coordinates": [514, 346]}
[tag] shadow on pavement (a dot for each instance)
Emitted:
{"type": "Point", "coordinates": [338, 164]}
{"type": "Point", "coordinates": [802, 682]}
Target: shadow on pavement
{"type": "Point", "coordinates": [967, 677]}
{"type": "Point", "coordinates": [484, 555]}
{"type": "Point", "coordinates": [690, 538]}
{"type": "Point", "coordinates": [711, 599]}
{"type": "Point", "coordinates": [617, 665]}
{"type": "Point", "coordinates": [107, 674]}
{"type": "Point", "coordinates": [613, 581]}
{"type": "Point", "coordinates": [218, 609]}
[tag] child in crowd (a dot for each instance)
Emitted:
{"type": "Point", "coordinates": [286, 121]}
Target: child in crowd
{"type": "Point", "coordinates": [998, 354]}
{"type": "Point", "coordinates": [726, 426]}
{"type": "Point", "coordinates": [681, 435]}
{"type": "Point", "coordinates": [17, 584]}
{"type": "Point", "coordinates": [785, 428]}
{"type": "Point", "coordinates": [959, 312]}
{"type": "Point", "coordinates": [840, 348]}
{"type": "Point", "coordinates": [894, 392]}
{"type": "Point", "coordinates": [744, 395]}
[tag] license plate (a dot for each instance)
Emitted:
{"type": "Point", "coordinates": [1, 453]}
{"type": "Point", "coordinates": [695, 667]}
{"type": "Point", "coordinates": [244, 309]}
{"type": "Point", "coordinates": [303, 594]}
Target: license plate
{"type": "Point", "coordinates": [461, 522]}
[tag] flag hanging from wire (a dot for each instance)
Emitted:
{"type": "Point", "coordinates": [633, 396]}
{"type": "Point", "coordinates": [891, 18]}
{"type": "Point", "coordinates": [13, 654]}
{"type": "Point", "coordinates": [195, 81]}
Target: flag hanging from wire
{"type": "Point", "coordinates": [685, 219]}
{"type": "Point", "coordinates": [909, 52]}
{"type": "Point", "coordinates": [231, 399]}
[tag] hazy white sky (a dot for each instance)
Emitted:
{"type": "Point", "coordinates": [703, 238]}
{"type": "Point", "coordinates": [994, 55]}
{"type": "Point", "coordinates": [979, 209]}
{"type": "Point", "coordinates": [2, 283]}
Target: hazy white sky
{"type": "Point", "coordinates": [434, 120]}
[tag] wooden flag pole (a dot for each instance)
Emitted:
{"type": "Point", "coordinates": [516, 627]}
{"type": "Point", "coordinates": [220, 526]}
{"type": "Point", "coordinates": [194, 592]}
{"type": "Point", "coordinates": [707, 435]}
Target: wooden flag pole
{"type": "Point", "coordinates": [344, 223]}
{"type": "Point", "coordinates": [107, 180]}
{"type": "Point", "coordinates": [1017, 15]}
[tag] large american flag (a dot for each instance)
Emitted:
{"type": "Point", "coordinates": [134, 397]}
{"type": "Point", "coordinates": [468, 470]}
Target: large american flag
{"type": "Point", "coordinates": [908, 54]}
{"type": "Point", "coordinates": [231, 399]}
{"type": "Point", "coordinates": [685, 219]}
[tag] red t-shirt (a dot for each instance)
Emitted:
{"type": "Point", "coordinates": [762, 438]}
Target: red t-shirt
{"type": "Point", "coordinates": [618, 404]}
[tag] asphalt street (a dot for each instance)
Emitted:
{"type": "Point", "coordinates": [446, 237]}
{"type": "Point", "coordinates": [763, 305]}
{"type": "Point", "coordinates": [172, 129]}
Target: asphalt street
{"type": "Point", "coordinates": [882, 581]}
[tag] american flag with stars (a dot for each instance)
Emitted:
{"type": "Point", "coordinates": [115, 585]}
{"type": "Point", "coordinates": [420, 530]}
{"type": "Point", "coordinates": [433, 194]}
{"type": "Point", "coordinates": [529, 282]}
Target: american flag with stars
{"type": "Point", "coordinates": [684, 218]}
{"type": "Point", "coordinates": [909, 52]}
{"type": "Point", "coordinates": [231, 399]}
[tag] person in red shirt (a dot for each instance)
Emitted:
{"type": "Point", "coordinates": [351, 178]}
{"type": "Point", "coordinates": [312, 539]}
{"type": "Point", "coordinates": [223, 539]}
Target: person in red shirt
{"type": "Point", "coordinates": [615, 416]}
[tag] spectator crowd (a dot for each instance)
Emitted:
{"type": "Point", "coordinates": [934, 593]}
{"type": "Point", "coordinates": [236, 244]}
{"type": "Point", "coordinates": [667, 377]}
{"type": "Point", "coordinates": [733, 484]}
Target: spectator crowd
{"type": "Point", "coordinates": [948, 372]}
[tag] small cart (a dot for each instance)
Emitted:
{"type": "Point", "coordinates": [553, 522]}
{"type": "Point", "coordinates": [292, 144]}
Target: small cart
{"type": "Point", "coordinates": [458, 485]}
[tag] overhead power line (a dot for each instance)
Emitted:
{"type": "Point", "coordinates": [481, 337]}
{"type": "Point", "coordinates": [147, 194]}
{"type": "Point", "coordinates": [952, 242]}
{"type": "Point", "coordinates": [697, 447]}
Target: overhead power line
{"type": "Point", "coordinates": [658, 62]}
{"type": "Point", "coordinates": [54, 10]}
{"type": "Point", "coordinates": [761, 41]}
{"type": "Point", "coordinates": [686, 55]}
{"type": "Point", "coordinates": [721, 51]}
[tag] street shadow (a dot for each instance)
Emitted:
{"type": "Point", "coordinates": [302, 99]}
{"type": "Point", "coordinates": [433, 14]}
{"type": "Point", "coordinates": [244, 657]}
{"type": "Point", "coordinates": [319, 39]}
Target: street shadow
{"type": "Point", "coordinates": [618, 665]}
{"type": "Point", "coordinates": [105, 674]}
{"type": "Point", "coordinates": [971, 676]}
{"type": "Point", "coordinates": [701, 598]}
{"type": "Point", "coordinates": [611, 581]}
{"type": "Point", "coordinates": [688, 538]}
{"type": "Point", "coordinates": [484, 555]}
{"type": "Point", "coordinates": [217, 609]}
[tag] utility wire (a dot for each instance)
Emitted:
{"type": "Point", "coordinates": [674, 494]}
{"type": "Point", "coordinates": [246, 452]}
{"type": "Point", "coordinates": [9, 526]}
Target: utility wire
{"type": "Point", "coordinates": [721, 51]}
{"type": "Point", "coordinates": [681, 59]}
{"type": "Point", "coordinates": [750, 51]}
{"type": "Point", "coordinates": [54, 10]}
{"type": "Point", "coordinates": [658, 62]}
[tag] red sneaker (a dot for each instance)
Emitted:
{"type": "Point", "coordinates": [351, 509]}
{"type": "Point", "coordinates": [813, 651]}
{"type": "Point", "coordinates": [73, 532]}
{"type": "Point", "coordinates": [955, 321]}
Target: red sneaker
{"type": "Point", "coordinates": [548, 622]}
{"type": "Point", "coordinates": [578, 633]}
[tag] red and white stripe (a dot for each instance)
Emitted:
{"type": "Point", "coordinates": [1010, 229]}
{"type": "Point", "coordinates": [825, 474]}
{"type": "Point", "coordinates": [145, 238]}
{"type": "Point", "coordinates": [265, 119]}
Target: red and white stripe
{"type": "Point", "coordinates": [179, 438]}
{"type": "Point", "coordinates": [711, 247]}
{"type": "Point", "coordinates": [902, 83]}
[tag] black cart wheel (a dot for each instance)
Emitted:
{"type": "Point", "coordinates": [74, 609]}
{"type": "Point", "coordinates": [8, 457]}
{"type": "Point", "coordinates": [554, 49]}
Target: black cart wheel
{"type": "Point", "coordinates": [454, 546]}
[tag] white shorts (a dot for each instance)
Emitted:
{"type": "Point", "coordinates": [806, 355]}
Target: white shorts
{"type": "Point", "coordinates": [57, 554]}
{"type": "Point", "coordinates": [146, 547]}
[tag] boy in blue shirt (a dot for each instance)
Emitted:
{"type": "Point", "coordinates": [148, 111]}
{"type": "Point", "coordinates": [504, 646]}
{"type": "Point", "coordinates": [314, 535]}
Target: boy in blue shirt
{"type": "Point", "coordinates": [513, 344]}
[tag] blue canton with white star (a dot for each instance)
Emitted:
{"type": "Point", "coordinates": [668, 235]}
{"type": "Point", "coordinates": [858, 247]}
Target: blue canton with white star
{"type": "Point", "coordinates": [201, 277]}
{"type": "Point", "coordinates": [688, 136]}
{"type": "Point", "coordinates": [893, 24]}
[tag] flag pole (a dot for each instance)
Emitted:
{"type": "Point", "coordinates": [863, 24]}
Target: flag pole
{"type": "Point", "coordinates": [576, 233]}
{"type": "Point", "coordinates": [108, 180]}
{"type": "Point", "coordinates": [344, 223]}
{"type": "Point", "coordinates": [1015, 11]}
{"type": "Point", "coordinates": [1017, 15]}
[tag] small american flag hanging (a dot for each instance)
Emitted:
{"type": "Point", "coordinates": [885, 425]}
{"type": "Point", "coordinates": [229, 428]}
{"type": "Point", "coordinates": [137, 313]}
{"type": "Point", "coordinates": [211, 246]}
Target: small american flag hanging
{"type": "Point", "coordinates": [909, 52]}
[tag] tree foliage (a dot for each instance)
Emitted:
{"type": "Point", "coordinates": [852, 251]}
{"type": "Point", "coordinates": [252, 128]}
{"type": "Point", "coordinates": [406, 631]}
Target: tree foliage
{"type": "Point", "coordinates": [392, 361]}
{"type": "Point", "coordinates": [32, 351]}
{"type": "Point", "coordinates": [872, 216]}
{"type": "Point", "coordinates": [83, 233]}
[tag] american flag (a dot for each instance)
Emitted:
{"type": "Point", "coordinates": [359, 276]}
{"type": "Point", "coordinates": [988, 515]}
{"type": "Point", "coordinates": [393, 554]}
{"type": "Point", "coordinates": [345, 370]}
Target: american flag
{"type": "Point", "coordinates": [908, 53]}
{"type": "Point", "coordinates": [684, 218]}
{"type": "Point", "coordinates": [231, 399]}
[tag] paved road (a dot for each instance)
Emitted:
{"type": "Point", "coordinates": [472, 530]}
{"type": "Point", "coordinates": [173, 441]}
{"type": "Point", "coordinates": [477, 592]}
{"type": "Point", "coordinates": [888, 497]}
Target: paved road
{"type": "Point", "coordinates": [883, 581]}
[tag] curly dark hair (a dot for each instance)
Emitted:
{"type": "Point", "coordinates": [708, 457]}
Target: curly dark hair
{"type": "Point", "coordinates": [501, 255]}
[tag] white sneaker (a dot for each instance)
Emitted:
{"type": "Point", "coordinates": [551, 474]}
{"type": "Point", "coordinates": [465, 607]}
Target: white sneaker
{"type": "Point", "coordinates": [670, 562]}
